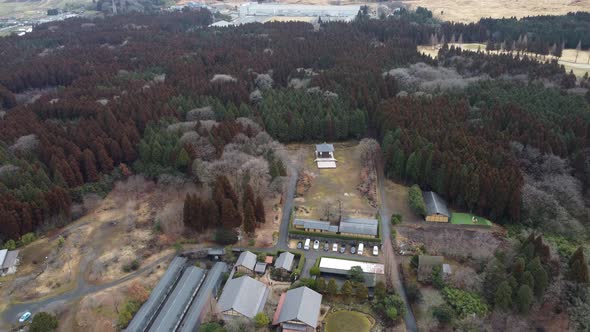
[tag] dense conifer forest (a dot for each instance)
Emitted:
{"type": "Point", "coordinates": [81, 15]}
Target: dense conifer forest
{"type": "Point", "coordinates": [110, 87]}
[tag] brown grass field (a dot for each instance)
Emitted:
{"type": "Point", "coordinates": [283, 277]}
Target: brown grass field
{"type": "Point", "coordinates": [579, 66]}
{"type": "Point", "coordinates": [330, 185]}
{"type": "Point", "coordinates": [472, 11]}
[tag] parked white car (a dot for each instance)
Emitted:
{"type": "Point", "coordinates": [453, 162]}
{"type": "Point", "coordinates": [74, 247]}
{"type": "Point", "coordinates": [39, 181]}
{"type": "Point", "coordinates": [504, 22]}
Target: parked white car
{"type": "Point", "coordinates": [335, 247]}
{"type": "Point", "coordinates": [24, 317]}
{"type": "Point", "coordinates": [375, 251]}
{"type": "Point", "coordinates": [316, 245]}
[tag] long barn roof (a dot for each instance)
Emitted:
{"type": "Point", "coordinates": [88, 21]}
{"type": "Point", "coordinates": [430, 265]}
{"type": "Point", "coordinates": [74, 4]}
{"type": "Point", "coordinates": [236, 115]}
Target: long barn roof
{"type": "Point", "coordinates": [147, 312]}
{"type": "Point", "coordinates": [435, 204]}
{"type": "Point", "coordinates": [179, 300]}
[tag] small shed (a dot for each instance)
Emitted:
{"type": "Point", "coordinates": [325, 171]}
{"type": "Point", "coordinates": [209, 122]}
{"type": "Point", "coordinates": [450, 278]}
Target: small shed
{"type": "Point", "coordinates": [260, 268]}
{"type": "Point", "coordinates": [324, 156]}
{"type": "Point", "coordinates": [447, 270]}
{"type": "Point", "coordinates": [215, 253]}
{"type": "Point", "coordinates": [436, 207]}
{"type": "Point", "coordinates": [426, 264]}
{"type": "Point", "coordinates": [285, 261]}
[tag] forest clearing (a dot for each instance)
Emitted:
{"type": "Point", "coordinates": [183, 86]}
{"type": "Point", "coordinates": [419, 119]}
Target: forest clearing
{"type": "Point", "coordinates": [320, 191]}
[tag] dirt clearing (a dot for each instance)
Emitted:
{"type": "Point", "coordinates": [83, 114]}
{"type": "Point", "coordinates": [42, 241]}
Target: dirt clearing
{"type": "Point", "coordinates": [451, 240]}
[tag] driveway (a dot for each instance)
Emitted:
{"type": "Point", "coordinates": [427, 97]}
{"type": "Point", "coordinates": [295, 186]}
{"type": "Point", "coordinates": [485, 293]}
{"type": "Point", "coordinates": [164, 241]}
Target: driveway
{"type": "Point", "coordinates": [391, 264]}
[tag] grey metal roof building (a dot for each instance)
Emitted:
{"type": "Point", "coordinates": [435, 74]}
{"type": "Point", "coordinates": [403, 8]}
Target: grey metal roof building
{"type": "Point", "coordinates": [285, 261]}
{"type": "Point", "coordinates": [316, 225]}
{"type": "Point", "coordinates": [435, 204]}
{"type": "Point", "coordinates": [247, 259]}
{"type": "Point", "coordinates": [208, 290]}
{"type": "Point", "coordinates": [179, 300]}
{"type": "Point", "coordinates": [371, 271]}
{"type": "Point", "coordinates": [361, 226]}
{"type": "Point", "coordinates": [148, 310]}
{"type": "Point", "coordinates": [10, 262]}
{"type": "Point", "coordinates": [244, 296]}
{"type": "Point", "coordinates": [325, 147]}
{"type": "Point", "coordinates": [260, 267]}
{"type": "Point", "coordinates": [299, 305]}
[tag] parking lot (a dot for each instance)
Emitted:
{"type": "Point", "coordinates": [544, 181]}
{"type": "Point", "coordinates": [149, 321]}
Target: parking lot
{"type": "Point", "coordinates": [346, 253]}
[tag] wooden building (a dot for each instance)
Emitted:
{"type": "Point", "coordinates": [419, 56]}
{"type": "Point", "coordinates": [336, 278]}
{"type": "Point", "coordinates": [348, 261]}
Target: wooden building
{"type": "Point", "coordinates": [436, 207]}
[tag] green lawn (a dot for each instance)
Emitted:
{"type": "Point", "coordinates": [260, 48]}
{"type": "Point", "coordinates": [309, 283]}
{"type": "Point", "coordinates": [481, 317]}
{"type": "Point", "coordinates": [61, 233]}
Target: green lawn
{"type": "Point", "coordinates": [347, 321]}
{"type": "Point", "coordinates": [465, 219]}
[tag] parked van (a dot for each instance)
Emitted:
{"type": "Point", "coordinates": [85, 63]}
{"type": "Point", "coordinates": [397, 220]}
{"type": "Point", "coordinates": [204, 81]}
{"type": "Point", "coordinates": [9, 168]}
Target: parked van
{"type": "Point", "coordinates": [360, 249]}
{"type": "Point", "coordinates": [306, 245]}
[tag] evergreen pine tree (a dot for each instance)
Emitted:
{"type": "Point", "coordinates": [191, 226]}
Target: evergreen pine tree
{"type": "Point", "coordinates": [332, 288]}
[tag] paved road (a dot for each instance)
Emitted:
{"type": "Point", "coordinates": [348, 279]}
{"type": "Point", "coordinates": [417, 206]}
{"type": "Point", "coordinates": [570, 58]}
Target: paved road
{"type": "Point", "coordinates": [391, 265]}
{"type": "Point", "coordinates": [83, 288]}
{"type": "Point", "coordinates": [282, 242]}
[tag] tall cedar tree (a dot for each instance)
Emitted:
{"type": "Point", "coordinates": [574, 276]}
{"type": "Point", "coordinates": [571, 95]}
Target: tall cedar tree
{"type": "Point", "coordinates": [248, 198]}
{"type": "Point", "coordinates": [259, 210]}
{"type": "Point", "coordinates": [230, 216]}
{"type": "Point", "coordinates": [249, 219]}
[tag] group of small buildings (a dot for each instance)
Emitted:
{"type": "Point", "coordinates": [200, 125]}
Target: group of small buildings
{"type": "Point", "coordinates": [247, 263]}
{"type": "Point", "coordinates": [9, 260]}
{"type": "Point", "coordinates": [252, 12]}
{"type": "Point", "coordinates": [359, 227]}
{"type": "Point", "coordinates": [186, 295]}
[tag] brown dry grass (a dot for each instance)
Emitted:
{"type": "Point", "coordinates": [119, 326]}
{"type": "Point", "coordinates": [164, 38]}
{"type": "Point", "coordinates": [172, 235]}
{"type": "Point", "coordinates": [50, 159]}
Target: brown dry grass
{"type": "Point", "coordinates": [471, 10]}
{"type": "Point", "coordinates": [117, 231]}
{"type": "Point", "coordinates": [98, 312]}
{"type": "Point", "coordinates": [330, 185]}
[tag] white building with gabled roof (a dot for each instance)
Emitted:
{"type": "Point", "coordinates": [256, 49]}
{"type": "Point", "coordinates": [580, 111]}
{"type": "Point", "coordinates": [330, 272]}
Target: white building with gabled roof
{"type": "Point", "coordinates": [324, 156]}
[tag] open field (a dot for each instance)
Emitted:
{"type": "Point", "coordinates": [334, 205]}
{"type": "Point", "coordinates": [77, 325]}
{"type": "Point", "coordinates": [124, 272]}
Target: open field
{"type": "Point", "coordinates": [579, 65]}
{"type": "Point", "coordinates": [97, 248]}
{"type": "Point", "coordinates": [35, 9]}
{"type": "Point", "coordinates": [471, 11]}
{"type": "Point", "coordinates": [326, 187]}
{"type": "Point", "coordinates": [347, 321]}
{"type": "Point", "coordinates": [398, 196]}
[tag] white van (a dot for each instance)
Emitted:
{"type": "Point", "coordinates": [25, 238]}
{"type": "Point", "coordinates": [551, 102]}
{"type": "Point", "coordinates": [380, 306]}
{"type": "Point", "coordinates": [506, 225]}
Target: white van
{"type": "Point", "coordinates": [306, 245]}
{"type": "Point", "coordinates": [360, 249]}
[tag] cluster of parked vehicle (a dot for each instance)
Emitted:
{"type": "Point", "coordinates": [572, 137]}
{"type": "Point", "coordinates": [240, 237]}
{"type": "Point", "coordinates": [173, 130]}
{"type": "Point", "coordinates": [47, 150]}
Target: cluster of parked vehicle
{"type": "Point", "coordinates": [335, 247]}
